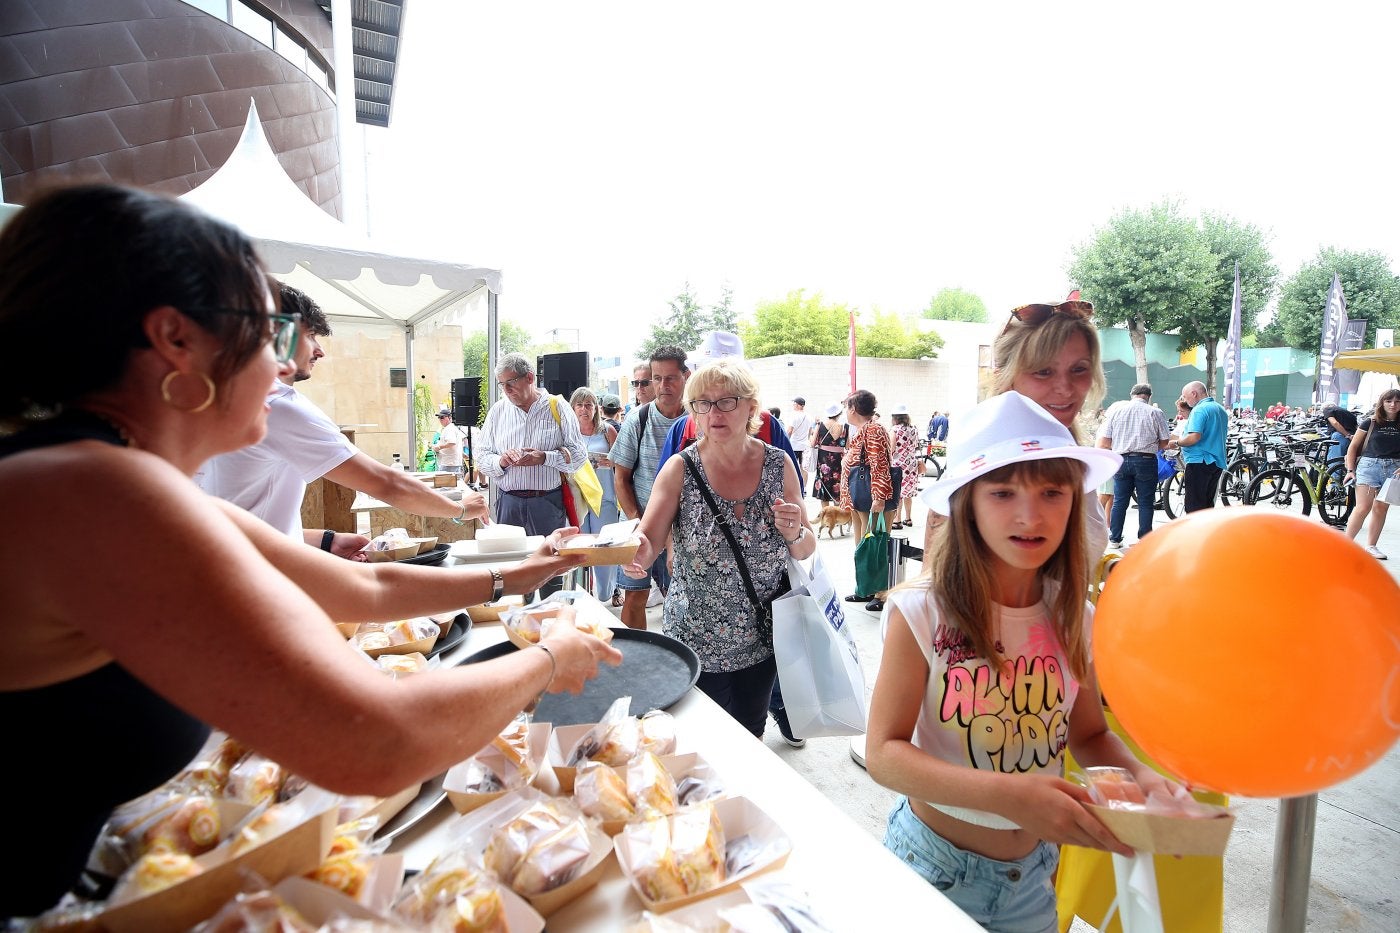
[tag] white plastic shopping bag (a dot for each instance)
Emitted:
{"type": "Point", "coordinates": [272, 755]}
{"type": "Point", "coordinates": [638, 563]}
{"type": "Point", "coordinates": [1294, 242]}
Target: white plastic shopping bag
{"type": "Point", "coordinates": [1390, 491]}
{"type": "Point", "coordinates": [818, 665]}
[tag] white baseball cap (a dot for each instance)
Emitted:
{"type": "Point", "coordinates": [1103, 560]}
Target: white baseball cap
{"type": "Point", "coordinates": [1005, 429]}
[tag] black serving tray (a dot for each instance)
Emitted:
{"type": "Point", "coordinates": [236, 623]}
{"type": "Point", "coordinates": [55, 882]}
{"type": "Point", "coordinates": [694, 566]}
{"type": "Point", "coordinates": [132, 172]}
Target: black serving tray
{"type": "Point", "coordinates": [436, 556]}
{"type": "Point", "coordinates": [656, 671]}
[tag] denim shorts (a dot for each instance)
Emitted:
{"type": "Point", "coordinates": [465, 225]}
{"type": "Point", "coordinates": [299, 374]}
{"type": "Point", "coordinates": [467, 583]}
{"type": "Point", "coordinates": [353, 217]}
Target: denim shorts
{"type": "Point", "coordinates": [1010, 897]}
{"type": "Point", "coordinates": [1374, 471]}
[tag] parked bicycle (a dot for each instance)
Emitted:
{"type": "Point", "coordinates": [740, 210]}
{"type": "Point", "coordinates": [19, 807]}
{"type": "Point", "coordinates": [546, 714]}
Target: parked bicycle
{"type": "Point", "coordinates": [1303, 484]}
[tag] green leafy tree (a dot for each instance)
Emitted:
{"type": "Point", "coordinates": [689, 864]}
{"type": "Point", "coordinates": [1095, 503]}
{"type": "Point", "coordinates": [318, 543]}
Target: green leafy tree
{"type": "Point", "coordinates": [1143, 270]}
{"type": "Point", "coordinates": [796, 324]}
{"type": "Point", "coordinates": [512, 337]}
{"type": "Point", "coordinates": [890, 337]}
{"type": "Point", "coordinates": [1372, 292]}
{"type": "Point", "coordinates": [1208, 321]}
{"type": "Point", "coordinates": [687, 321]}
{"type": "Point", "coordinates": [955, 304]}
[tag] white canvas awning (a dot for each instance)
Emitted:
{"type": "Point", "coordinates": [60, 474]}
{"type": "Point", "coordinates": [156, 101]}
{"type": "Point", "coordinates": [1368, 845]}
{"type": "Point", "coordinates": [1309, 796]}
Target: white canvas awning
{"type": "Point", "coordinates": [356, 281]}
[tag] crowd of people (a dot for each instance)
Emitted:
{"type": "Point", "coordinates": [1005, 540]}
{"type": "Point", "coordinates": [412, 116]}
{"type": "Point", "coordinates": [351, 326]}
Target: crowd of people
{"type": "Point", "coordinates": [178, 417]}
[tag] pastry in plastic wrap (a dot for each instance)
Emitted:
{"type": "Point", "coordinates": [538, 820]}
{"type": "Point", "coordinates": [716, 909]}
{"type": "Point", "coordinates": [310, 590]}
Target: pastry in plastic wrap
{"type": "Point", "coordinates": [210, 769]}
{"type": "Point", "coordinates": [615, 740]}
{"type": "Point", "coordinates": [600, 792]}
{"type": "Point", "coordinates": [371, 641]}
{"type": "Point", "coordinates": [402, 664]}
{"type": "Point", "coordinates": [193, 828]}
{"type": "Point", "coordinates": [452, 895]}
{"type": "Point", "coordinates": [257, 912]}
{"type": "Point", "coordinates": [650, 786]}
{"type": "Point", "coordinates": [697, 838]}
{"type": "Point", "coordinates": [552, 862]}
{"type": "Point", "coordinates": [512, 842]}
{"type": "Point", "coordinates": [153, 872]}
{"type": "Point", "coordinates": [514, 744]}
{"type": "Point", "coordinates": [255, 780]}
{"type": "Point", "coordinates": [1114, 787]}
{"type": "Point", "coordinates": [346, 866]}
{"type": "Point", "coordinates": [653, 861]}
{"type": "Point", "coordinates": [659, 732]}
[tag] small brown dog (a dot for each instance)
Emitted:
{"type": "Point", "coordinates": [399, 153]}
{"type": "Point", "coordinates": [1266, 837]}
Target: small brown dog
{"type": "Point", "coordinates": [832, 517]}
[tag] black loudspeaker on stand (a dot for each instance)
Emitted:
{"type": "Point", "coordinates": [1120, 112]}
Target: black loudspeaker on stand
{"type": "Point", "coordinates": [466, 411]}
{"type": "Point", "coordinates": [562, 373]}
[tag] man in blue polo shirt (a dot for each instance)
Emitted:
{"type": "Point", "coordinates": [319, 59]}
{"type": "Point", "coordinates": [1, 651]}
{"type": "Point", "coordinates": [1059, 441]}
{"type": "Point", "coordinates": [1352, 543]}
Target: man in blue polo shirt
{"type": "Point", "coordinates": [1202, 446]}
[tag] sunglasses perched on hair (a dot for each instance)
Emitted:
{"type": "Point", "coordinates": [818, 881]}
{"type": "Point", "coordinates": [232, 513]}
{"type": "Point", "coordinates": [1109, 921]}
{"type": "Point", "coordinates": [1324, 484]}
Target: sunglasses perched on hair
{"type": "Point", "coordinates": [1033, 315]}
{"type": "Point", "coordinates": [285, 329]}
{"type": "Point", "coordinates": [640, 383]}
{"type": "Point", "coordinates": [702, 406]}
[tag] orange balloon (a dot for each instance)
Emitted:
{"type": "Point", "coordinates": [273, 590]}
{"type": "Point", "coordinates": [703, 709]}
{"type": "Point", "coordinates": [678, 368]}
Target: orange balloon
{"type": "Point", "coordinates": [1252, 652]}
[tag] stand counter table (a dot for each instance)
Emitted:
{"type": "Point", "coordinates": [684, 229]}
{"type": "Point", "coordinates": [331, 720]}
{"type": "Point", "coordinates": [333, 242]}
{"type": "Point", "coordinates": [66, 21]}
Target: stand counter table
{"type": "Point", "coordinates": [853, 881]}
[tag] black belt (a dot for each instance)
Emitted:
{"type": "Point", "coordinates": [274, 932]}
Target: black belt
{"type": "Point", "coordinates": [1154, 456]}
{"type": "Point", "coordinates": [530, 493]}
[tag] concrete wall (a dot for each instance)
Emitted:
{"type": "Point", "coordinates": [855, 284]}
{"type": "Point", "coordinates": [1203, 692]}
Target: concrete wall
{"type": "Point", "coordinates": [351, 385]}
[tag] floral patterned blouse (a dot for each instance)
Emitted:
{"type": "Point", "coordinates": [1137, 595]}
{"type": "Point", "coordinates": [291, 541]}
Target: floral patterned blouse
{"type": "Point", "coordinates": [875, 442]}
{"type": "Point", "coordinates": [906, 444]}
{"type": "Point", "coordinates": [708, 607]}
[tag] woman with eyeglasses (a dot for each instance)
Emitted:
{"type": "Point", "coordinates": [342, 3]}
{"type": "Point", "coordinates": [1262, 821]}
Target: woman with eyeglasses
{"type": "Point", "coordinates": [733, 507]}
{"type": "Point", "coordinates": [139, 612]}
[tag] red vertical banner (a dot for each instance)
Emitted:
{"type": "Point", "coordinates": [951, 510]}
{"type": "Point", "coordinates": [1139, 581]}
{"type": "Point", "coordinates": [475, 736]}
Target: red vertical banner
{"type": "Point", "coordinates": [851, 339]}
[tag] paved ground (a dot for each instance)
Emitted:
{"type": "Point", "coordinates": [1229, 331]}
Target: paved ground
{"type": "Point", "coordinates": [1356, 856]}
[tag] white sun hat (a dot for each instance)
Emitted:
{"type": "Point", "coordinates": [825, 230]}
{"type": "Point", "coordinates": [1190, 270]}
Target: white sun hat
{"type": "Point", "coordinates": [717, 345]}
{"type": "Point", "coordinates": [1005, 429]}
{"type": "Point", "coordinates": [833, 409]}
{"type": "Point", "coordinates": [900, 410]}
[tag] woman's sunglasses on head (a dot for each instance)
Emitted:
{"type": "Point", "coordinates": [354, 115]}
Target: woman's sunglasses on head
{"type": "Point", "coordinates": [1033, 315]}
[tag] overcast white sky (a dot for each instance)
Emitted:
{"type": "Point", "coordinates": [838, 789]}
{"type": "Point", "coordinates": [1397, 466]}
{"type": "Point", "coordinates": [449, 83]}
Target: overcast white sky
{"type": "Point", "coordinates": [603, 154]}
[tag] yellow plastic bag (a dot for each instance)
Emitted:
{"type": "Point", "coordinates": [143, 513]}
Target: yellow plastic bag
{"type": "Point", "coordinates": [584, 481]}
{"type": "Point", "coordinates": [1191, 888]}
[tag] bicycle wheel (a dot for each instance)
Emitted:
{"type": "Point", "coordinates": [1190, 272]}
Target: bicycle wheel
{"type": "Point", "coordinates": [1281, 489]}
{"type": "Point", "coordinates": [1174, 495]}
{"type": "Point", "coordinates": [1336, 499]}
{"type": "Point", "coordinates": [933, 468]}
{"type": "Point", "coordinates": [1234, 480]}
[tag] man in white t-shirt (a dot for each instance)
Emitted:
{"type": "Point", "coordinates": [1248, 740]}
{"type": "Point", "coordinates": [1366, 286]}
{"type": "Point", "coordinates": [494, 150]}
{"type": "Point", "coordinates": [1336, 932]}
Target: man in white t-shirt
{"type": "Point", "coordinates": [301, 445]}
{"type": "Point", "coordinates": [451, 442]}
{"type": "Point", "coordinates": [799, 432]}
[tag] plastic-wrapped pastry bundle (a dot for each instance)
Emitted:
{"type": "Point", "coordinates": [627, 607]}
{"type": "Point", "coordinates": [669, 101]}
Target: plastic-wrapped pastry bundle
{"type": "Point", "coordinates": [153, 872]}
{"type": "Point", "coordinates": [255, 780]}
{"type": "Point", "coordinates": [514, 744]}
{"type": "Point", "coordinates": [659, 732]}
{"type": "Point", "coordinates": [615, 740]}
{"type": "Point", "coordinates": [541, 849]}
{"type": "Point", "coordinates": [600, 791]}
{"type": "Point", "coordinates": [193, 828]}
{"type": "Point", "coordinates": [401, 665]}
{"type": "Point", "coordinates": [210, 769]}
{"type": "Point", "coordinates": [375, 635]}
{"type": "Point", "coordinates": [650, 786]}
{"type": "Point", "coordinates": [347, 865]}
{"type": "Point", "coordinates": [452, 894]}
{"type": "Point", "coordinates": [678, 855]}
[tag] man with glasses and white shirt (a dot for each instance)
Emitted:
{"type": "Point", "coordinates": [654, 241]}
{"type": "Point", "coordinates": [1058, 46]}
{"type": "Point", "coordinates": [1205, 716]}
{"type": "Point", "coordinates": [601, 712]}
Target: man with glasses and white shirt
{"type": "Point", "coordinates": [301, 445]}
{"type": "Point", "coordinates": [525, 448]}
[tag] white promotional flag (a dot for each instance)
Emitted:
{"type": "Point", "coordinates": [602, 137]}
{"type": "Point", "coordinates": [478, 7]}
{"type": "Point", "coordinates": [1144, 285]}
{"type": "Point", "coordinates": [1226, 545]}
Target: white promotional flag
{"type": "Point", "coordinates": [1333, 323]}
{"type": "Point", "coordinates": [1232, 349]}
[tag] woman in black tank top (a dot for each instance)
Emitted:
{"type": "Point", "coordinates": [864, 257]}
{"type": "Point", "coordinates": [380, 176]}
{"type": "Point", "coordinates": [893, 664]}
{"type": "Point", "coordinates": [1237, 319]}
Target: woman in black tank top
{"type": "Point", "coordinates": [139, 611]}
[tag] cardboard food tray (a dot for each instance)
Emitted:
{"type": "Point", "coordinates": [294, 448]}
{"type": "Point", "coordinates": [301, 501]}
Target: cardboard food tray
{"type": "Point", "coordinates": [546, 611]}
{"type": "Point", "coordinates": [564, 738]}
{"type": "Point", "coordinates": [347, 629]}
{"type": "Point", "coordinates": [1168, 835]}
{"type": "Point", "coordinates": [581, 546]}
{"type": "Point", "coordinates": [740, 817]}
{"type": "Point", "coordinates": [492, 612]}
{"type": "Point", "coordinates": [181, 906]}
{"type": "Point", "coordinates": [422, 646]}
{"type": "Point", "coordinates": [465, 802]}
{"type": "Point", "coordinates": [390, 554]}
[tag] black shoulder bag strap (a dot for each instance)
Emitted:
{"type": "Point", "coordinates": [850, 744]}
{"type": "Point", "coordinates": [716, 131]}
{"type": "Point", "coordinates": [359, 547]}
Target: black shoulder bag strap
{"type": "Point", "coordinates": [765, 610]}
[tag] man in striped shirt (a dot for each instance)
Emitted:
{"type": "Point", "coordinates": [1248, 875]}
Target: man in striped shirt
{"type": "Point", "coordinates": [1136, 430]}
{"type": "Point", "coordinates": [525, 448]}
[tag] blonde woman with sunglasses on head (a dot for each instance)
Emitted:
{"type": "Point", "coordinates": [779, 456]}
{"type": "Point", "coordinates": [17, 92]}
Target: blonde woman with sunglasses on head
{"type": "Point", "coordinates": [189, 612]}
{"type": "Point", "coordinates": [1050, 354]}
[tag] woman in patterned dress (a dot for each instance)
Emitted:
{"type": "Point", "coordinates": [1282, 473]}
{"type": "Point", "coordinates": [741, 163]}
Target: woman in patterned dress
{"type": "Point", "coordinates": [904, 455]}
{"type": "Point", "coordinates": [830, 444]}
{"type": "Point", "coordinates": [754, 485]}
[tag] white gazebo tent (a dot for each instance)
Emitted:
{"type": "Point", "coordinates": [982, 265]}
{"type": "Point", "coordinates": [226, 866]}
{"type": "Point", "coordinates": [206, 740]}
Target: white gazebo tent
{"type": "Point", "coordinates": [356, 283]}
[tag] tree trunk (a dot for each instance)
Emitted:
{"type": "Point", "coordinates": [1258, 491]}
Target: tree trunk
{"type": "Point", "coordinates": [1210, 371]}
{"type": "Point", "coordinates": [1137, 333]}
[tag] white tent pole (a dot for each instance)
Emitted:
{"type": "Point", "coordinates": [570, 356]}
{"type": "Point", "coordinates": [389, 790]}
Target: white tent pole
{"type": "Point", "coordinates": [411, 460]}
{"type": "Point", "coordinates": [493, 347]}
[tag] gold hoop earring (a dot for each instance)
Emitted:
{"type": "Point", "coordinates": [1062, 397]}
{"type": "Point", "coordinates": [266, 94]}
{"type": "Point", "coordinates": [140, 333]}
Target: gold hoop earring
{"type": "Point", "coordinates": [208, 384]}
